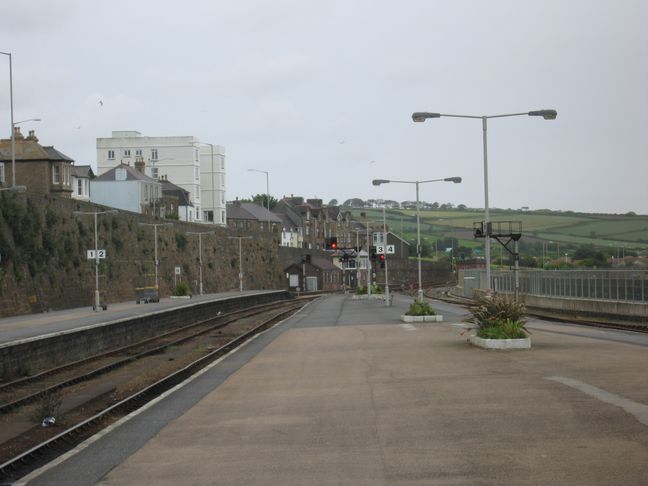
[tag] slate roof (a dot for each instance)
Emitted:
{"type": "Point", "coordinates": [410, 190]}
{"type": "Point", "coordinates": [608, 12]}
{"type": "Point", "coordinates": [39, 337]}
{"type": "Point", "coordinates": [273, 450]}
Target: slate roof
{"type": "Point", "coordinates": [170, 189]}
{"type": "Point", "coordinates": [82, 171]}
{"type": "Point", "coordinates": [260, 213]}
{"type": "Point", "coordinates": [234, 211]}
{"type": "Point", "coordinates": [132, 174]}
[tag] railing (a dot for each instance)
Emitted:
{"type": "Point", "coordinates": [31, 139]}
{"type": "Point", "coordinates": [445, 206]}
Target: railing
{"type": "Point", "coordinates": [614, 285]}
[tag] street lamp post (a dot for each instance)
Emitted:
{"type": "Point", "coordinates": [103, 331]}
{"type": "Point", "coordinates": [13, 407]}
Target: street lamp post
{"type": "Point", "coordinates": [155, 246]}
{"type": "Point", "coordinates": [239, 238]}
{"type": "Point", "coordinates": [267, 174]}
{"type": "Point", "coordinates": [96, 251]}
{"type": "Point", "coordinates": [456, 180]}
{"type": "Point", "coordinates": [200, 235]}
{"type": "Point", "coordinates": [546, 114]}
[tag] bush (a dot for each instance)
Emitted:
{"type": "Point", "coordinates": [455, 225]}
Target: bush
{"type": "Point", "coordinates": [376, 289]}
{"type": "Point", "coordinates": [420, 308]}
{"type": "Point", "coordinates": [181, 290]}
{"type": "Point", "coordinates": [360, 290]}
{"type": "Point", "coordinates": [497, 317]}
{"type": "Point", "coordinates": [506, 329]}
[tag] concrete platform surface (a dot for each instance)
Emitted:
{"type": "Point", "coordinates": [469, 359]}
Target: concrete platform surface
{"type": "Point", "coordinates": [35, 325]}
{"type": "Point", "coordinates": [385, 403]}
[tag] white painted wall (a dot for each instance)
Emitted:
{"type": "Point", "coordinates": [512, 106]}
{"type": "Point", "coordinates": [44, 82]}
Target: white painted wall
{"type": "Point", "coordinates": [178, 158]}
{"type": "Point", "coordinates": [128, 195]}
{"type": "Point", "coordinates": [212, 177]}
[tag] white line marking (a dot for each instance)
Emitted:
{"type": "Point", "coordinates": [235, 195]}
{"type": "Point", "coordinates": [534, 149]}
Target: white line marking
{"type": "Point", "coordinates": [408, 327]}
{"type": "Point", "coordinates": [638, 410]}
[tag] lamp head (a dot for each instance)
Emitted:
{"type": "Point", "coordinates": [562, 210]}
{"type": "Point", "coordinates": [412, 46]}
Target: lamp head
{"type": "Point", "coordinates": [456, 180]}
{"type": "Point", "coordinates": [421, 116]}
{"type": "Point", "coordinates": [377, 182]}
{"type": "Point", "coordinates": [546, 114]}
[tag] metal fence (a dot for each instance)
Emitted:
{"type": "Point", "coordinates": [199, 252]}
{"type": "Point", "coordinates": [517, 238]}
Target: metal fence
{"type": "Point", "coordinates": [619, 285]}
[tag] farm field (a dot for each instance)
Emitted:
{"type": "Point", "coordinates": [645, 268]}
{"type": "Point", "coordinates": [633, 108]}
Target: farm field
{"type": "Point", "coordinates": [585, 229]}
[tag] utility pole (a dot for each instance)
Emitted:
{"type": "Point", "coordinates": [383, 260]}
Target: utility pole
{"type": "Point", "coordinates": [97, 300]}
{"type": "Point", "coordinates": [157, 262]}
{"type": "Point", "coordinates": [239, 238]}
{"type": "Point", "coordinates": [200, 235]}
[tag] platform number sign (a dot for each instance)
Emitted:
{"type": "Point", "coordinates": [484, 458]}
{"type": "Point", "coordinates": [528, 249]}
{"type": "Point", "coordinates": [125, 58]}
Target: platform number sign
{"type": "Point", "coordinates": [388, 249]}
{"type": "Point", "coordinates": [96, 254]}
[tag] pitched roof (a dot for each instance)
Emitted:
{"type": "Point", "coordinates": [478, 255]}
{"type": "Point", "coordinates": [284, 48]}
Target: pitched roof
{"type": "Point", "coordinates": [82, 171]}
{"type": "Point", "coordinates": [132, 174]}
{"type": "Point", "coordinates": [170, 189]}
{"type": "Point", "coordinates": [28, 149]}
{"type": "Point", "coordinates": [260, 213]}
{"type": "Point", "coordinates": [234, 211]}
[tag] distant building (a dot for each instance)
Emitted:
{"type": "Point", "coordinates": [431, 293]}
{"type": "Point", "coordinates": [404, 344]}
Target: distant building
{"type": "Point", "coordinates": [124, 187]}
{"type": "Point", "coordinates": [251, 216]}
{"type": "Point", "coordinates": [175, 201]}
{"type": "Point", "coordinates": [198, 169]}
{"type": "Point", "coordinates": [40, 168]}
{"type": "Point", "coordinates": [81, 175]}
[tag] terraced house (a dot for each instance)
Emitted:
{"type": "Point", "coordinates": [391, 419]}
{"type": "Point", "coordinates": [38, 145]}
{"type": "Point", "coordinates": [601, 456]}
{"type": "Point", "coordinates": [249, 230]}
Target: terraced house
{"type": "Point", "coordinates": [39, 168]}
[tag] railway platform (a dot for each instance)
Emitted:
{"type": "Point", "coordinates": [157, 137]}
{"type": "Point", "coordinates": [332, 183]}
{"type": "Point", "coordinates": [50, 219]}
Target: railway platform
{"type": "Point", "coordinates": [50, 323]}
{"type": "Point", "coordinates": [344, 393]}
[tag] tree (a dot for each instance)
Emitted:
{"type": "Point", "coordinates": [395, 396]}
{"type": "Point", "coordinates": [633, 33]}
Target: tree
{"type": "Point", "coordinates": [261, 200]}
{"type": "Point", "coordinates": [354, 203]}
{"type": "Point", "coordinates": [333, 202]}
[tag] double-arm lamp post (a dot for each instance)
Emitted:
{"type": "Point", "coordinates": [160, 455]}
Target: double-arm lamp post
{"type": "Point", "coordinates": [546, 114]}
{"type": "Point", "coordinates": [456, 180]}
{"type": "Point", "coordinates": [13, 128]}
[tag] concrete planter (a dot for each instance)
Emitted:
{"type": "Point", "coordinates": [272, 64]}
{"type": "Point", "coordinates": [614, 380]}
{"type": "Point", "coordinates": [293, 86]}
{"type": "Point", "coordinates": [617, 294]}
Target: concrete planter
{"type": "Point", "coordinates": [181, 297]}
{"type": "Point", "coordinates": [500, 343]}
{"type": "Point", "coordinates": [436, 318]}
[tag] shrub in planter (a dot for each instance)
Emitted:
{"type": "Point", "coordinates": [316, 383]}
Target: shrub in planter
{"type": "Point", "coordinates": [420, 308]}
{"type": "Point", "coordinates": [376, 289]}
{"type": "Point", "coordinates": [360, 290]}
{"type": "Point", "coordinates": [506, 329]}
{"type": "Point", "coordinates": [497, 317]}
{"type": "Point", "coordinates": [182, 290]}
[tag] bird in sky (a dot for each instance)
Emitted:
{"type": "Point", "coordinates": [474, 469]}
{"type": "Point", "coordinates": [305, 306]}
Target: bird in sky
{"type": "Point", "coordinates": [100, 103]}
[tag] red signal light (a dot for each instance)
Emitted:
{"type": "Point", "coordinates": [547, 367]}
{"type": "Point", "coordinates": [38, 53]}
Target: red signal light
{"type": "Point", "coordinates": [382, 257]}
{"type": "Point", "coordinates": [334, 245]}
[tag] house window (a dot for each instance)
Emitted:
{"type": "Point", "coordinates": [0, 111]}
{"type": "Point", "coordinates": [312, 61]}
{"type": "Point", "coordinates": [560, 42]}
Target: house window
{"type": "Point", "coordinates": [126, 152]}
{"type": "Point", "coordinates": [2, 173]}
{"type": "Point", "coordinates": [111, 155]}
{"type": "Point", "coordinates": [79, 188]}
{"type": "Point", "coordinates": [222, 216]}
{"type": "Point", "coordinates": [196, 173]}
{"type": "Point", "coordinates": [154, 154]}
{"type": "Point", "coordinates": [66, 175]}
{"type": "Point", "coordinates": [208, 216]}
{"type": "Point", "coordinates": [154, 172]}
{"type": "Point", "coordinates": [138, 152]}
{"type": "Point", "coordinates": [56, 174]}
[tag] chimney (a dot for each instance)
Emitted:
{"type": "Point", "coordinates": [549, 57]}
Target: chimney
{"type": "Point", "coordinates": [140, 164]}
{"type": "Point", "coordinates": [17, 134]}
{"type": "Point", "coordinates": [32, 136]}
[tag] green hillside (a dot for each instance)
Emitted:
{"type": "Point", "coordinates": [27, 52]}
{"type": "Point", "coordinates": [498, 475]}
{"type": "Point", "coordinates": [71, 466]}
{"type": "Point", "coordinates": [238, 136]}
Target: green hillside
{"type": "Point", "coordinates": [607, 231]}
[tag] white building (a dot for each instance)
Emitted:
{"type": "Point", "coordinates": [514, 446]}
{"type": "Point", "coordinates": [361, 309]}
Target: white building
{"type": "Point", "coordinates": [124, 187]}
{"type": "Point", "coordinates": [81, 175]}
{"type": "Point", "coordinates": [212, 177]}
{"type": "Point", "coordinates": [183, 160]}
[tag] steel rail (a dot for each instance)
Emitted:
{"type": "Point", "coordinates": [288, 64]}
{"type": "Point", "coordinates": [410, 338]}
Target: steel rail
{"type": "Point", "coordinates": [66, 440]}
{"type": "Point", "coordinates": [232, 317]}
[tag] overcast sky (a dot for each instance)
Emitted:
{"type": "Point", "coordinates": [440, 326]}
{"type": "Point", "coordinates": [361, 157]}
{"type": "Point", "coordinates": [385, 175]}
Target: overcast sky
{"type": "Point", "coordinates": [320, 93]}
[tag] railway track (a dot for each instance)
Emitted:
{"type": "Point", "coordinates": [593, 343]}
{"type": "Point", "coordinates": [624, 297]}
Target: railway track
{"type": "Point", "coordinates": [18, 455]}
{"type": "Point", "coordinates": [551, 316]}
